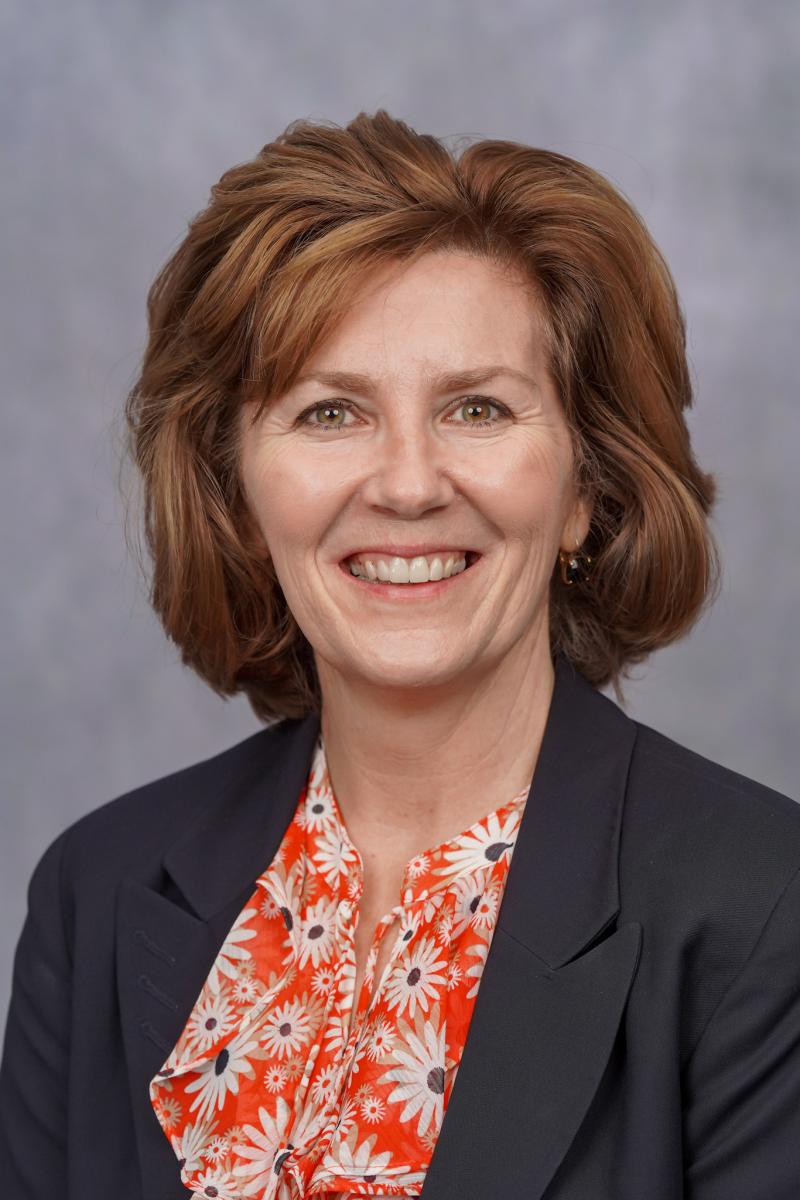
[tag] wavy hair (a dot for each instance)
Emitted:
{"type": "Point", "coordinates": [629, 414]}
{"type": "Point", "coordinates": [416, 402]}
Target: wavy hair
{"type": "Point", "coordinates": [263, 274]}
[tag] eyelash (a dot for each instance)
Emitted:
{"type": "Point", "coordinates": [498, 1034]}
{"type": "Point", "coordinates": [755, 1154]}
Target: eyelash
{"type": "Point", "coordinates": [348, 407]}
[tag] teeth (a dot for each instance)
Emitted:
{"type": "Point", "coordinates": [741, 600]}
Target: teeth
{"type": "Point", "coordinates": [405, 570]}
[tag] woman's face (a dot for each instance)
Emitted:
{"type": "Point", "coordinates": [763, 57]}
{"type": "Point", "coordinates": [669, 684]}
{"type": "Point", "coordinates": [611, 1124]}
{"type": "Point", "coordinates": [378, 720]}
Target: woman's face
{"type": "Point", "coordinates": [410, 461]}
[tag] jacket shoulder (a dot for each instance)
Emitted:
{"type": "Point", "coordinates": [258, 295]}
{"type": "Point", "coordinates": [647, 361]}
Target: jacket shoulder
{"type": "Point", "coordinates": [707, 857]}
{"type": "Point", "coordinates": [137, 826]}
{"type": "Point", "coordinates": [685, 778]}
{"type": "Point", "coordinates": [703, 846]}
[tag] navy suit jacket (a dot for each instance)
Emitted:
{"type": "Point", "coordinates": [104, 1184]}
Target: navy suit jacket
{"type": "Point", "coordinates": [636, 1034]}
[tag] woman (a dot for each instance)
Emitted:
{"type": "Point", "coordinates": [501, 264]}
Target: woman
{"type": "Point", "coordinates": [417, 482]}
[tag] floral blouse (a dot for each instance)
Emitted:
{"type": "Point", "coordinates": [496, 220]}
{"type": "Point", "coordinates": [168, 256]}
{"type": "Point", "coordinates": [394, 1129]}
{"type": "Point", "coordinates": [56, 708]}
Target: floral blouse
{"type": "Point", "coordinates": [281, 1083]}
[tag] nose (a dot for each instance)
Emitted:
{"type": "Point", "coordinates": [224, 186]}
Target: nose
{"type": "Point", "coordinates": [408, 471]}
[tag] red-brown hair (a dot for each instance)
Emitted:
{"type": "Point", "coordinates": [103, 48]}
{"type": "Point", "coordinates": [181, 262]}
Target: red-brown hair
{"type": "Point", "coordinates": [262, 276]}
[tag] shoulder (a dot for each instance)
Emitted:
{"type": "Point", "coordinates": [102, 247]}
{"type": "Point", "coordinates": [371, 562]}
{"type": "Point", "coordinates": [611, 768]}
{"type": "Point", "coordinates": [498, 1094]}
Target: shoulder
{"type": "Point", "coordinates": [691, 792]}
{"type": "Point", "coordinates": [708, 859]}
{"type": "Point", "coordinates": [699, 820]}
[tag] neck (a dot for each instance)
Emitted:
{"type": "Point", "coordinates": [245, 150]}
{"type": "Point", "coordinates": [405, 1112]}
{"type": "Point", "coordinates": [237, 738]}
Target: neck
{"type": "Point", "coordinates": [412, 770]}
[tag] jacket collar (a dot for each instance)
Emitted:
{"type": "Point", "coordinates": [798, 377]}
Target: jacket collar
{"type": "Point", "coordinates": [242, 827]}
{"type": "Point", "coordinates": [565, 890]}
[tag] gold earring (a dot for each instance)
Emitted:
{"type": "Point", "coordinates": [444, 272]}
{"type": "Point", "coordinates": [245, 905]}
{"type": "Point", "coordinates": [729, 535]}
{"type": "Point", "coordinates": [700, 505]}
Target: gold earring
{"type": "Point", "coordinates": [575, 566]}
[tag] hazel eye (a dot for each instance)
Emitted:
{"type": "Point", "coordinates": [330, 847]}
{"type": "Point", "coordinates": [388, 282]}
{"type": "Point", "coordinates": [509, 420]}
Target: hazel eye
{"type": "Point", "coordinates": [474, 404]}
{"type": "Point", "coordinates": [326, 407]}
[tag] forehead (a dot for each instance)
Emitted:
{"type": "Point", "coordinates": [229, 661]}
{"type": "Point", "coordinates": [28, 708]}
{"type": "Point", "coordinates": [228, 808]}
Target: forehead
{"type": "Point", "coordinates": [440, 313]}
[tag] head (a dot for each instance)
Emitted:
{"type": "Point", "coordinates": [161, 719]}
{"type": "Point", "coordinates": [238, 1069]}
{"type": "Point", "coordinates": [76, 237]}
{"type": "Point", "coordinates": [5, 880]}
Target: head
{"type": "Point", "coordinates": [372, 252]}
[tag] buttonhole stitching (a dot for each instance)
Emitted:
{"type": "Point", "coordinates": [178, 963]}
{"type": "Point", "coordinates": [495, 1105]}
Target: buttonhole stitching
{"type": "Point", "coordinates": [143, 940]}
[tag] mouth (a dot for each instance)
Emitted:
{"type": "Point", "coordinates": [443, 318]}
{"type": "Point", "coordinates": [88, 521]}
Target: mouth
{"type": "Point", "coordinates": [391, 578]}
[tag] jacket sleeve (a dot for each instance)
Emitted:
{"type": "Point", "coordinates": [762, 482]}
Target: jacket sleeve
{"type": "Point", "coordinates": [33, 1073]}
{"type": "Point", "coordinates": [742, 1083]}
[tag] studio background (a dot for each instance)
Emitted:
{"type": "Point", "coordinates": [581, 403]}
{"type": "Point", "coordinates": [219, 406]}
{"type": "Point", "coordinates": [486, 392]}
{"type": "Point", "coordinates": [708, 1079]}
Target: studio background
{"type": "Point", "coordinates": [116, 120]}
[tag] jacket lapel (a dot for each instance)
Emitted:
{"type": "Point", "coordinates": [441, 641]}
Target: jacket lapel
{"type": "Point", "coordinates": [553, 988]}
{"type": "Point", "coordinates": [170, 925]}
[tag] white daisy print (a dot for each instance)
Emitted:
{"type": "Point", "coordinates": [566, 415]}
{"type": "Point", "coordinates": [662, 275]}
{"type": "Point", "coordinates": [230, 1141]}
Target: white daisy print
{"type": "Point", "coordinates": [487, 908]}
{"type": "Point", "coordinates": [211, 1020]}
{"type": "Point", "coordinates": [317, 933]}
{"type": "Point", "coordinates": [216, 1182]}
{"type": "Point", "coordinates": [275, 1077]}
{"type": "Point", "coordinates": [334, 856]}
{"type": "Point", "coordinates": [317, 814]}
{"type": "Point", "coordinates": [416, 978]}
{"type": "Point", "coordinates": [217, 1149]}
{"type": "Point", "coordinates": [286, 1029]}
{"type": "Point", "coordinates": [285, 889]}
{"type": "Point", "coordinates": [380, 1040]}
{"type": "Point", "coordinates": [169, 1112]}
{"type": "Point", "coordinates": [420, 1075]}
{"type": "Point", "coordinates": [220, 1075]}
{"type": "Point", "coordinates": [336, 1031]}
{"type": "Point", "coordinates": [260, 1146]}
{"type": "Point", "coordinates": [269, 907]}
{"type": "Point", "coordinates": [442, 927]}
{"type": "Point", "coordinates": [348, 1114]}
{"type": "Point", "coordinates": [326, 1085]}
{"type": "Point", "coordinates": [232, 951]}
{"type": "Point", "coordinates": [346, 971]}
{"type": "Point", "coordinates": [454, 974]}
{"type": "Point", "coordinates": [323, 980]}
{"type": "Point", "coordinates": [479, 952]}
{"type": "Point", "coordinates": [346, 1157]}
{"type": "Point", "coordinates": [246, 989]}
{"type": "Point", "coordinates": [464, 896]}
{"type": "Point", "coordinates": [191, 1145]}
{"type": "Point", "coordinates": [482, 845]}
{"type": "Point", "coordinates": [417, 866]}
{"type": "Point", "coordinates": [265, 1149]}
{"type": "Point", "coordinates": [373, 1109]}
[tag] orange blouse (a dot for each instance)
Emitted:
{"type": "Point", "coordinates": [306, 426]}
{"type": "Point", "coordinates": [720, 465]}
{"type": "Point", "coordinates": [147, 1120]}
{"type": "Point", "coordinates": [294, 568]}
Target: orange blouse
{"type": "Point", "coordinates": [276, 1087]}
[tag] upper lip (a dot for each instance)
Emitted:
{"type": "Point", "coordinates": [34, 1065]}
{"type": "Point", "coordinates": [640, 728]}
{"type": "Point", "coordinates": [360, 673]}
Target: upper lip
{"type": "Point", "coordinates": [392, 549]}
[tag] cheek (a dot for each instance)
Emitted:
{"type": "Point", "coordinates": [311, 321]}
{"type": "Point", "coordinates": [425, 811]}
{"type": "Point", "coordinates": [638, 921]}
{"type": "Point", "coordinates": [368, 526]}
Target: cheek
{"type": "Point", "coordinates": [529, 488]}
{"type": "Point", "coordinates": [293, 500]}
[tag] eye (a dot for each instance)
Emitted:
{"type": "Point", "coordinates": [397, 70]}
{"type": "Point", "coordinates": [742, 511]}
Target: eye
{"type": "Point", "coordinates": [331, 408]}
{"type": "Point", "coordinates": [474, 405]}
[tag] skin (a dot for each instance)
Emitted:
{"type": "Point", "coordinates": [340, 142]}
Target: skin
{"type": "Point", "coordinates": [433, 711]}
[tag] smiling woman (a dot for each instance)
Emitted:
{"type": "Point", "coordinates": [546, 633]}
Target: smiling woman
{"type": "Point", "coordinates": [417, 482]}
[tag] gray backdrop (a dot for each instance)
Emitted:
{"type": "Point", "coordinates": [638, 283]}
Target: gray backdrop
{"type": "Point", "coordinates": [117, 119]}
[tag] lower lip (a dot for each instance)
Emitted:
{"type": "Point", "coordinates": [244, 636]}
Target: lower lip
{"type": "Point", "coordinates": [408, 591]}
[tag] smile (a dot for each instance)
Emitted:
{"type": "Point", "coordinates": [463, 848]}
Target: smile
{"type": "Point", "coordinates": [406, 578]}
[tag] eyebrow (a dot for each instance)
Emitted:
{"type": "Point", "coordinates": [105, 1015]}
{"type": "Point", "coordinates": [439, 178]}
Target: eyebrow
{"type": "Point", "coordinates": [446, 381]}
